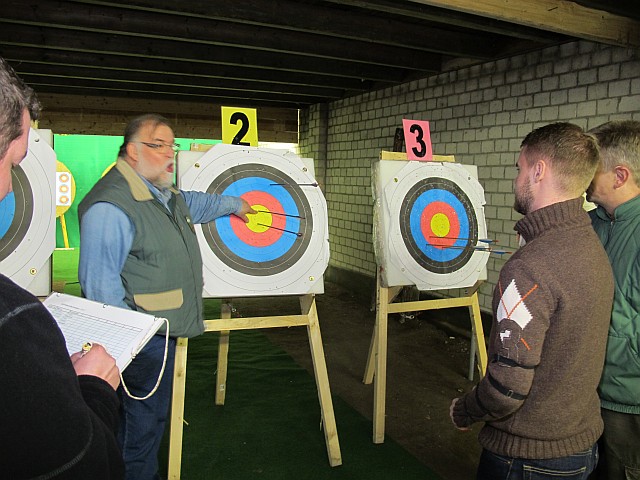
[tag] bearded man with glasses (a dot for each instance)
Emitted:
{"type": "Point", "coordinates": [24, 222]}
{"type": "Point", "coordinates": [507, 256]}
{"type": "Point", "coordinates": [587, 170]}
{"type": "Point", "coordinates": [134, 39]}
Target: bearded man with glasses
{"type": "Point", "coordinates": [138, 250]}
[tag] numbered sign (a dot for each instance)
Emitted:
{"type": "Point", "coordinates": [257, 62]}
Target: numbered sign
{"type": "Point", "coordinates": [417, 138]}
{"type": "Point", "coordinates": [240, 126]}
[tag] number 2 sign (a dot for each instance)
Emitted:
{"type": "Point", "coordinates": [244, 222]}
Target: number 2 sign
{"type": "Point", "coordinates": [417, 138]}
{"type": "Point", "coordinates": [239, 126]}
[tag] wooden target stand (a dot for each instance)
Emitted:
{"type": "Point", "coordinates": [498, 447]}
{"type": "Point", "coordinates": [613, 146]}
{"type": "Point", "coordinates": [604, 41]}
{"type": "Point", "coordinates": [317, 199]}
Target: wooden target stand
{"type": "Point", "coordinates": [377, 360]}
{"type": "Point", "coordinates": [225, 324]}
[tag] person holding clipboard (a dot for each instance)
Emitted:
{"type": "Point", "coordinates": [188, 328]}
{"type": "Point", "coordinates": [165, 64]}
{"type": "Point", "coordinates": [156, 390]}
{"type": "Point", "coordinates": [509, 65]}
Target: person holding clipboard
{"type": "Point", "coordinates": [59, 414]}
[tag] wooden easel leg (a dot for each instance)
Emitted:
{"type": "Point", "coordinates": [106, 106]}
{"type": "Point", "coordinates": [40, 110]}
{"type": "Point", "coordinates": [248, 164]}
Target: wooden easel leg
{"type": "Point", "coordinates": [473, 349]}
{"type": "Point", "coordinates": [177, 409]}
{"type": "Point", "coordinates": [371, 362]}
{"type": "Point", "coordinates": [478, 331]}
{"type": "Point", "coordinates": [369, 370]}
{"type": "Point", "coordinates": [223, 355]}
{"type": "Point", "coordinates": [380, 379]}
{"type": "Point", "coordinates": [308, 306]}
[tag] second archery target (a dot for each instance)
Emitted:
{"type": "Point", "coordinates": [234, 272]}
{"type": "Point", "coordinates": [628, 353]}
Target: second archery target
{"type": "Point", "coordinates": [429, 222]}
{"type": "Point", "coordinates": [27, 218]}
{"type": "Point", "coordinates": [284, 249]}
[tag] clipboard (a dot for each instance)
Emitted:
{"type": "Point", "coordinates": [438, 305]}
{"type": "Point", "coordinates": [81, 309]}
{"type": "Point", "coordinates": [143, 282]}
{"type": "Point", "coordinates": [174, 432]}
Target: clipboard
{"type": "Point", "coordinates": [121, 331]}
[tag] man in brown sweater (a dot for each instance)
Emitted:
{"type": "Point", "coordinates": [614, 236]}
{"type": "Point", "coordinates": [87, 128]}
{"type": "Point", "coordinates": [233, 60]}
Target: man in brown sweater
{"type": "Point", "coordinates": [551, 307]}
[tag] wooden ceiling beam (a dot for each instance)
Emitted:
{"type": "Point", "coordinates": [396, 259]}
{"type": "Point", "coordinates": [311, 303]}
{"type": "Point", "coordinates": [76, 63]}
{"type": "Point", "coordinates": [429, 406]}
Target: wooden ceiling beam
{"type": "Point", "coordinates": [103, 43]}
{"type": "Point", "coordinates": [100, 104]}
{"type": "Point", "coordinates": [193, 30]}
{"type": "Point", "coordinates": [165, 89]}
{"type": "Point", "coordinates": [560, 16]}
{"type": "Point", "coordinates": [169, 80]}
{"type": "Point", "coordinates": [152, 66]}
{"type": "Point", "coordinates": [318, 19]}
{"type": "Point", "coordinates": [624, 8]}
{"type": "Point", "coordinates": [414, 11]}
{"type": "Point", "coordinates": [250, 101]}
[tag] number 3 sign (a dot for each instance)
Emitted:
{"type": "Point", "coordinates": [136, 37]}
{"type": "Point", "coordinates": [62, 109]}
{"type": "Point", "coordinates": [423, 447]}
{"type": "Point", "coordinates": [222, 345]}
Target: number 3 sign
{"type": "Point", "coordinates": [417, 138]}
{"type": "Point", "coordinates": [239, 126]}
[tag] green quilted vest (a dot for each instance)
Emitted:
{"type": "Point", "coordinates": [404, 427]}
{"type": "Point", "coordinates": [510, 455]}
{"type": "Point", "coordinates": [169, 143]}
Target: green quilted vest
{"type": "Point", "coordinates": [163, 271]}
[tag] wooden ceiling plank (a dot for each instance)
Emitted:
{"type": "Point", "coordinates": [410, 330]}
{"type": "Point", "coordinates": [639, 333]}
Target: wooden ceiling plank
{"type": "Point", "coordinates": [560, 16]}
{"type": "Point", "coordinates": [177, 27]}
{"type": "Point", "coordinates": [164, 89]}
{"type": "Point", "coordinates": [239, 100]}
{"type": "Point", "coordinates": [100, 43]}
{"type": "Point", "coordinates": [413, 11]}
{"type": "Point", "coordinates": [169, 79]}
{"type": "Point", "coordinates": [322, 20]}
{"type": "Point", "coordinates": [63, 102]}
{"type": "Point", "coordinates": [152, 66]}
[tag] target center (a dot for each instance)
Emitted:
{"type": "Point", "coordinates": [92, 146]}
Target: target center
{"type": "Point", "coordinates": [440, 225]}
{"type": "Point", "coordinates": [261, 221]}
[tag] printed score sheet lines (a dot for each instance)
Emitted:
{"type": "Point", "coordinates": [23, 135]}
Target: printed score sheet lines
{"type": "Point", "coordinates": [122, 332]}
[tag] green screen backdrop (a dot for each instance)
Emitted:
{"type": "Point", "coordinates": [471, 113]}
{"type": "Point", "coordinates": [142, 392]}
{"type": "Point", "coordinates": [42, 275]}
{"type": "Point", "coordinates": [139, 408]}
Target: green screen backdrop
{"type": "Point", "coordinates": [87, 157]}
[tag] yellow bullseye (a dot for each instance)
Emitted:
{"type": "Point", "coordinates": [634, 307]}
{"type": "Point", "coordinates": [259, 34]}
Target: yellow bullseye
{"type": "Point", "coordinates": [263, 217]}
{"type": "Point", "coordinates": [440, 225]}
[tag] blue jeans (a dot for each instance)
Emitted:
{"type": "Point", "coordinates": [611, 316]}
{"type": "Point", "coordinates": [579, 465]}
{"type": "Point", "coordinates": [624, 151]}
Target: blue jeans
{"type": "Point", "coordinates": [573, 467]}
{"type": "Point", "coordinates": [142, 422]}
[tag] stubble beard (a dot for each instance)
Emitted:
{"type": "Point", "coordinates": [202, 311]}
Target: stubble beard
{"type": "Point", "coordinates": [524, 199]}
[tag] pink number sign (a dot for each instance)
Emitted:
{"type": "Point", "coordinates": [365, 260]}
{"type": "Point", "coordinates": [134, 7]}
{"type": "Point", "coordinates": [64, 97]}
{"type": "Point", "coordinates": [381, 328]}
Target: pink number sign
{"type": "Point", "coordinates": [417, 138]}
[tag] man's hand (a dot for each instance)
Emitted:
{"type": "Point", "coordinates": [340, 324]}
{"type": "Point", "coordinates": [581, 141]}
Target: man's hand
{"type": "Point", "coordinates": [453, 404]}
{"type": "Point", "coordinates": [244, 210]}
{"type": "Point", "coordinates": [98, 363]}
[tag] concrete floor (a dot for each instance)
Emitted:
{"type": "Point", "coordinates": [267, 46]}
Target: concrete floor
{"type": "Point", "coordinates": [427, 366]}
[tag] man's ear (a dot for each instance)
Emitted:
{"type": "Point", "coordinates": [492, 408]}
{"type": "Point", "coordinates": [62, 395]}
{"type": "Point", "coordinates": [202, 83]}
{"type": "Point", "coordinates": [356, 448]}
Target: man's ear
{"type": "Point", "coordinates": [132, 151]}
{"type": "Point", "coordinates": [622, 175]}
{"type": "Point", "coordinates": [539, 170]}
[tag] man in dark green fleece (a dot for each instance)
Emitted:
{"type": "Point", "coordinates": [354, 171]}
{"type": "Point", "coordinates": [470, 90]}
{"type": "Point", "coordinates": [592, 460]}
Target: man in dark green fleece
{"type": "Point", "coordinates": [551, 307]}
{"type": "Point", "coordinates": [617, 222]}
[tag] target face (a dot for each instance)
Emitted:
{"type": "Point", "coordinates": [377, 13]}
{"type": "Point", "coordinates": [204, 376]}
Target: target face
{"type": "Point", "coordinates": [65, 188]}
{"type": "Point", "coordinates": [438, 224]}
{"type": "Point", "coordinates": [27, 215]}
{"type": "Point", "coordinates": [16, 212]}
{"type": "Point", "coordinates": [283, 249]}
{"type": "Point", "coordinates": [432, 219]}
{"type": "Point", "coordinates": [273, 240]}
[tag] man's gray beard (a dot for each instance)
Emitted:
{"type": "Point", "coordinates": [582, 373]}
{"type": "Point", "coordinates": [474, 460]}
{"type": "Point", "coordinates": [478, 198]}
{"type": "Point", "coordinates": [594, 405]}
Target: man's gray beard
{"type": "Point", "coordinates": [163, 184]}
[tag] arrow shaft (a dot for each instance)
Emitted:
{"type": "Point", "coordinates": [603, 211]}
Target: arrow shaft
{"type": "Point", "coordinates": [297, 234]}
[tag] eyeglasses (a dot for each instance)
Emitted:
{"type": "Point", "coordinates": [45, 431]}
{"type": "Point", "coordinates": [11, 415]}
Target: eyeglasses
{"type": "Point", "coordinates": [162, 146]}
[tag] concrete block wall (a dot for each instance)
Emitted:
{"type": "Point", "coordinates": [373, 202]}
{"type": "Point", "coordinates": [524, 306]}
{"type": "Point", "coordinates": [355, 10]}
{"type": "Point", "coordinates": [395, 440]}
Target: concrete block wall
{"type": "Point", "coordinates": [480, 114]}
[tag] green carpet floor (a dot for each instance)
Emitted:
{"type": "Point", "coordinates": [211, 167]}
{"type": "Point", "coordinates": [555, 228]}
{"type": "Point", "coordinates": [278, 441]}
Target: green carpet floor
{"type": "Point", "coordinates": [269, 426]}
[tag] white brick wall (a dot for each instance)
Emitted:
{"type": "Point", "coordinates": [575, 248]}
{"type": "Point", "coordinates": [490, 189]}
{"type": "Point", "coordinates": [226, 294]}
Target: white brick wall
{"type": "Point", "coordinates": [479, 114]}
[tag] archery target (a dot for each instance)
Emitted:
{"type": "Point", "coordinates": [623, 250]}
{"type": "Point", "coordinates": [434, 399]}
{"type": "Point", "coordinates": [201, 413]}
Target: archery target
{"type": "Point", "coordinates": [284, 248]}
{"type": "Point", "coordinates": [27, 219]}
{"type": "Point", "coordinates": [432, 218]}
{"type": "Point", "coordinates": [65, 188]}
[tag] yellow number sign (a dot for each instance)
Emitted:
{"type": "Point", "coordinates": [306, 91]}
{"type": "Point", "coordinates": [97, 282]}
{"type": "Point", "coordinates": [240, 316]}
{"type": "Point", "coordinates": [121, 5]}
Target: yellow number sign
{"type": "Point", "coordinates": [239, 126]}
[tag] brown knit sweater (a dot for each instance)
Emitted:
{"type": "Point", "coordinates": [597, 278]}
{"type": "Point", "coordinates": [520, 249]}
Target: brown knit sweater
{"type": "Point", "coordinates": [551, 315]}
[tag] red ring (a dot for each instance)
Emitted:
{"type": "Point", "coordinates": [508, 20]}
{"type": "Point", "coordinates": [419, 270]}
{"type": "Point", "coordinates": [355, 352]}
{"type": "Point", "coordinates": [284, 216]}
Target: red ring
{"type": "Point", "coordinates": [270, 235]}
{"type": "Point", "coordinates": [454, 224]}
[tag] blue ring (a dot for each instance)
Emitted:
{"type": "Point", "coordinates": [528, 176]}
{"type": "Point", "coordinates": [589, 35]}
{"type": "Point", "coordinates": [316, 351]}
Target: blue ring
{"type": "Point", "coordinates": [424, 244]}
{"type": "Point", "coordinates": [7, 213]}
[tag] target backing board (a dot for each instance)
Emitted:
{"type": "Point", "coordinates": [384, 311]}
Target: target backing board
{"type": "Point", "coordinates": [284, 249]}
{"type": "Point", "coordinates": [428, 218]}
{"type": "Point", "coordinates": [27, 218]}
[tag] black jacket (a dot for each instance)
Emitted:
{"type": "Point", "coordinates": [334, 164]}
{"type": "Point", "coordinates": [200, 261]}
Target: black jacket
{"type": "Point", "coordinates": [53, 424]}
